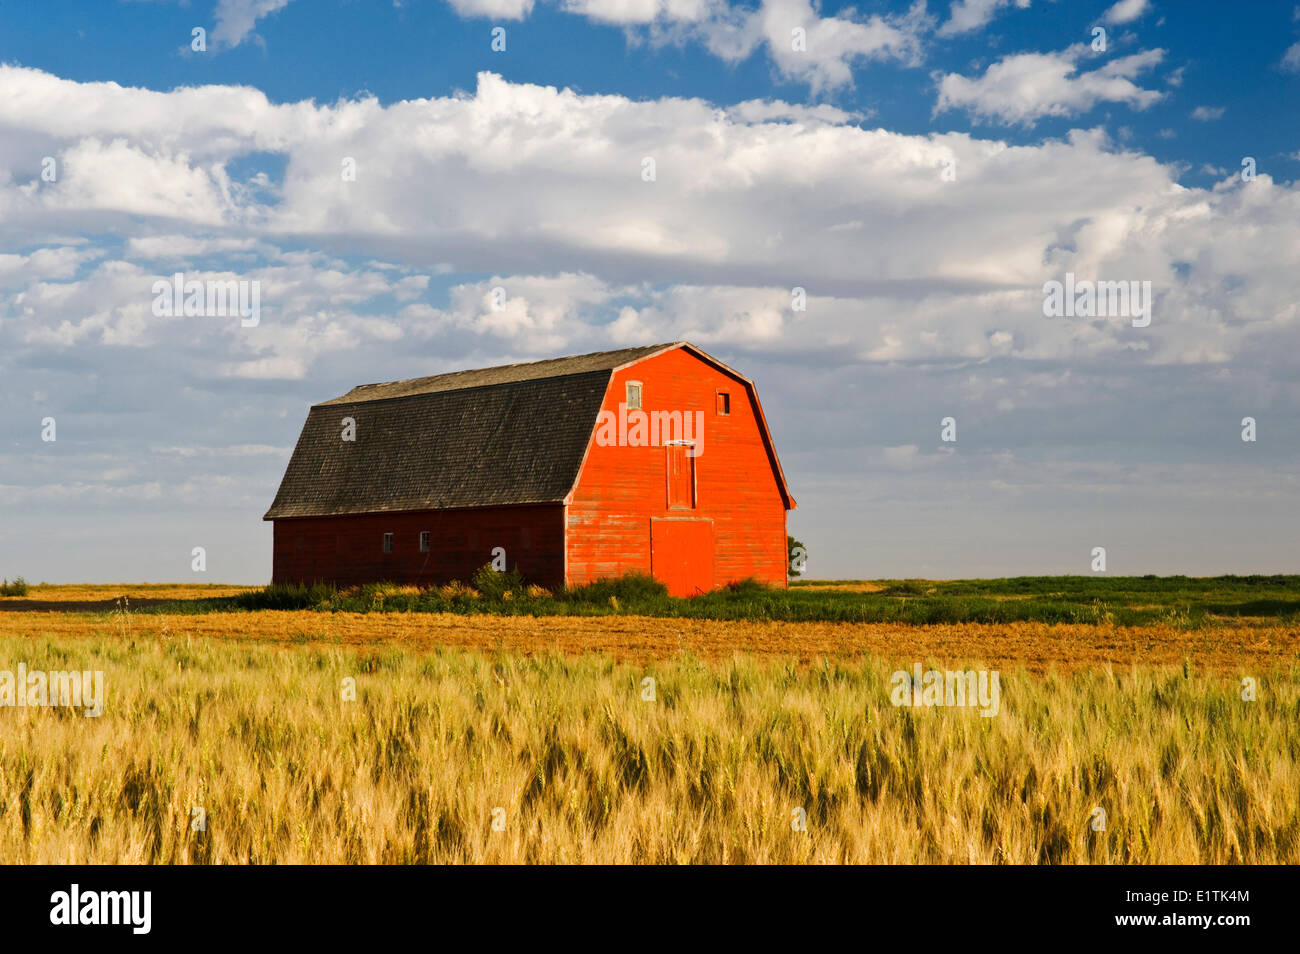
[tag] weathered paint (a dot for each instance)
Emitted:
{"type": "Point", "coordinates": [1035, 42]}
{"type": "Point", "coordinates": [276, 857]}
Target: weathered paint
{"type": "Point", "coordinates": [621, 488]}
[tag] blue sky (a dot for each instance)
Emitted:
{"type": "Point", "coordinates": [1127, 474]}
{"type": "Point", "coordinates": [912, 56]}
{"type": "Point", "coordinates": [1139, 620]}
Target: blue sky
{"type": "Point", "coordinates": [819, 168]}
{"type": "Point", "coordinates": [330, 49]}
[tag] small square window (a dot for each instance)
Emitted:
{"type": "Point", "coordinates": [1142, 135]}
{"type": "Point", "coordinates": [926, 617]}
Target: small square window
{"type": "Point", "coordinates": [424, 541]}
{"type": "Point", "coordinates": [724, 402]}
{"type": "Point", "coordinates": [633, 395]}
{"type": "Point", "coordinates": [388, 543]}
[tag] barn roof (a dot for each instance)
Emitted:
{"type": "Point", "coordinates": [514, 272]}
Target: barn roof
{"type": "Point", "coordinates": [514, 434]}
{"type": "Point", "coordinates": [504, 374]}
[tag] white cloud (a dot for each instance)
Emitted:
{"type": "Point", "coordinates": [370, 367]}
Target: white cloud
{"type": "Point", "coordinates": [1291, 58]}
{"type": "Point", "coordinates": [493, 9]}
{"type": "Point", "coordinates": [830, 49]}
{"type": "Point", "coordinates": [541, 189]}
{"type": "Point", "coordinates": [767, 110]}
{"type": "Point", "coordinates": [1025, 87]}
{"type": "Point", "coordinates": [902, 456]}
{"type": "Point", "coordinates": [235, 19]}
{"type": "Point", "coordinates": [1208, 113]}
{"type": "Point", "coordinates": [731, 32]}
{"type": "Point", "coordinates": [181, 246]}
{"type": "Point", "coordinates": [834, 43]}
{"type": "Point", "coordinates": [232, 450]}
{"type": "Point", "coordinates": [1126, 11]}
{"type": "Point", "coordinates": [43, 264]}
{"type": "Point", "coordinates": [967, 15]}
{"type": "Point", "coordinates": [641, 12]}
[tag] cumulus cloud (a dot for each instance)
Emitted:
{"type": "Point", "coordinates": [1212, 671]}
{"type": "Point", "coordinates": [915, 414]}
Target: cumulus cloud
{"type": "Point", "coordinates": [1026, 87]}
{"type": "Point", "coordinates": [641, 12]}
{"type": "Point", "coordinates": [824, 58]}
{"type": "Point", "coordinates": [494, 9]}
{"type": "Point", "coordinates": [967, 15]}
{"type": "Point", "coordinates": [1126, 11]}
{"type": "Point", "coordinates": [547, 184]}
{"type": "Point", "coordinates": [43, 264]}
{"type": "Point", "coordinates": [832, 44]}
{"type": "Point", "coordinates": [766, 110]}
{"type": "Point", "coordinates": [801, 43]}
{"type": "Point", "coordinates": [1208, 113]}
{"type": "Point", "coordinates": [236, 19]}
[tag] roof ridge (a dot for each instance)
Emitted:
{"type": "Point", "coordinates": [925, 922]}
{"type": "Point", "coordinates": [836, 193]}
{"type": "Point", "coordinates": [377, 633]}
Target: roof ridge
{"type": "Point", "coordinates": [411, 395]}
{"type": "Point", "coordinates": [466, 378]}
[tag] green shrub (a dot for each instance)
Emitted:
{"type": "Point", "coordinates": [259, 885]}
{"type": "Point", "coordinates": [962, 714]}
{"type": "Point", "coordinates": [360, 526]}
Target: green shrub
{"type": "Point", "coordinates": [797, 559]}
{"type": "Point", "coordinates": [908, 588]}
{"type": "Point", "coordinates": [630, 588]}
{"type": "Point", "coordinates": [498, 585]}
{"type": "Point", "coordinates": [749, 587]}
{"type": "Point", "coordinates": [286, 596]}
{"type": "Point", "coordinates": [17, 588]}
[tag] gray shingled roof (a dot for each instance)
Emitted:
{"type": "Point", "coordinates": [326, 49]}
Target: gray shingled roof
{"type": "Point", "coordinates": [504, 374]}
{"type": "Point", "coordinates": [509, 435]}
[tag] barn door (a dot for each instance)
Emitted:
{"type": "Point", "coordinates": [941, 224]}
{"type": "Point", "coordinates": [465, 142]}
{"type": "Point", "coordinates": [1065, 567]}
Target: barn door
{"type": "Point", "coordinates": [681, 555]}
{"type": "Point", "coordinates": [681, 478]}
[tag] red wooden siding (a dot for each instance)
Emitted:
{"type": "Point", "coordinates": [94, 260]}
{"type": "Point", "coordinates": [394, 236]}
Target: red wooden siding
{"type": "Point", "coordinates": [621, 489]}
{"type": "Point", "coordinates": [348, 550]}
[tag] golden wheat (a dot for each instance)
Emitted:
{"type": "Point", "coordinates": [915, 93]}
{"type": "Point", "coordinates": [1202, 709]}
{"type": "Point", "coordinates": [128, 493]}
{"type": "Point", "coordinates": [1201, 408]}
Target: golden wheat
{"type": "Point", "coordinates": [461, 756]}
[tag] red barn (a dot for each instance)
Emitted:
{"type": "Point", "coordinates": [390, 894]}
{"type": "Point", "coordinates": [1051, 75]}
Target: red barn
{"type": "Point", "coordinates": [654, 460]}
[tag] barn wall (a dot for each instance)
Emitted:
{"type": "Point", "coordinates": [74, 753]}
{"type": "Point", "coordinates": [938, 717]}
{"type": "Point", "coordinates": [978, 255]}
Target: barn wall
{"type": "Point", "coordinates": [622, 488]}
{"type": "Point", "coordinates": [348, 550]}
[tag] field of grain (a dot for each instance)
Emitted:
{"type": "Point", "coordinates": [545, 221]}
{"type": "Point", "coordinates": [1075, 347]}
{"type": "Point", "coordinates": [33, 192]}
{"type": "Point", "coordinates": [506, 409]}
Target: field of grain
{"type": "Point", "coordinates": [448, 755]}
{"type": "Point", "coordinates": [490, 734]}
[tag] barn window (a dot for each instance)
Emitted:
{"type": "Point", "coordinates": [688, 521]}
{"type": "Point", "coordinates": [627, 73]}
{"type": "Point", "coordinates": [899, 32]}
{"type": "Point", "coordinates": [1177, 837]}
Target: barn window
{"type": "Point", "coordinates": [633, 395]}
{"type": "Point", "coordinates": [724, 403]}
{"type": "Point", "coordinates": [388, 543]}
{"type": "Point", "coordinates": [681, 478]}
{"type": "Point", "coordinates": [424, 541]}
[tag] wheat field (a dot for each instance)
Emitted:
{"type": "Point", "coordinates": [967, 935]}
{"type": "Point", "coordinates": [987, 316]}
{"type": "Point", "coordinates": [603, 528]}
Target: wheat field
{"type": "Point", "coordinates": [455, 755]}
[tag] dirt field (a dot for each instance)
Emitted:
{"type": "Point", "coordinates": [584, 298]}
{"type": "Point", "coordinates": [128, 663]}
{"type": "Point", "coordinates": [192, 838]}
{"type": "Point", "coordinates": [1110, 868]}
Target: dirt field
{"type": "Point", "coordinates": [1037, 647]}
